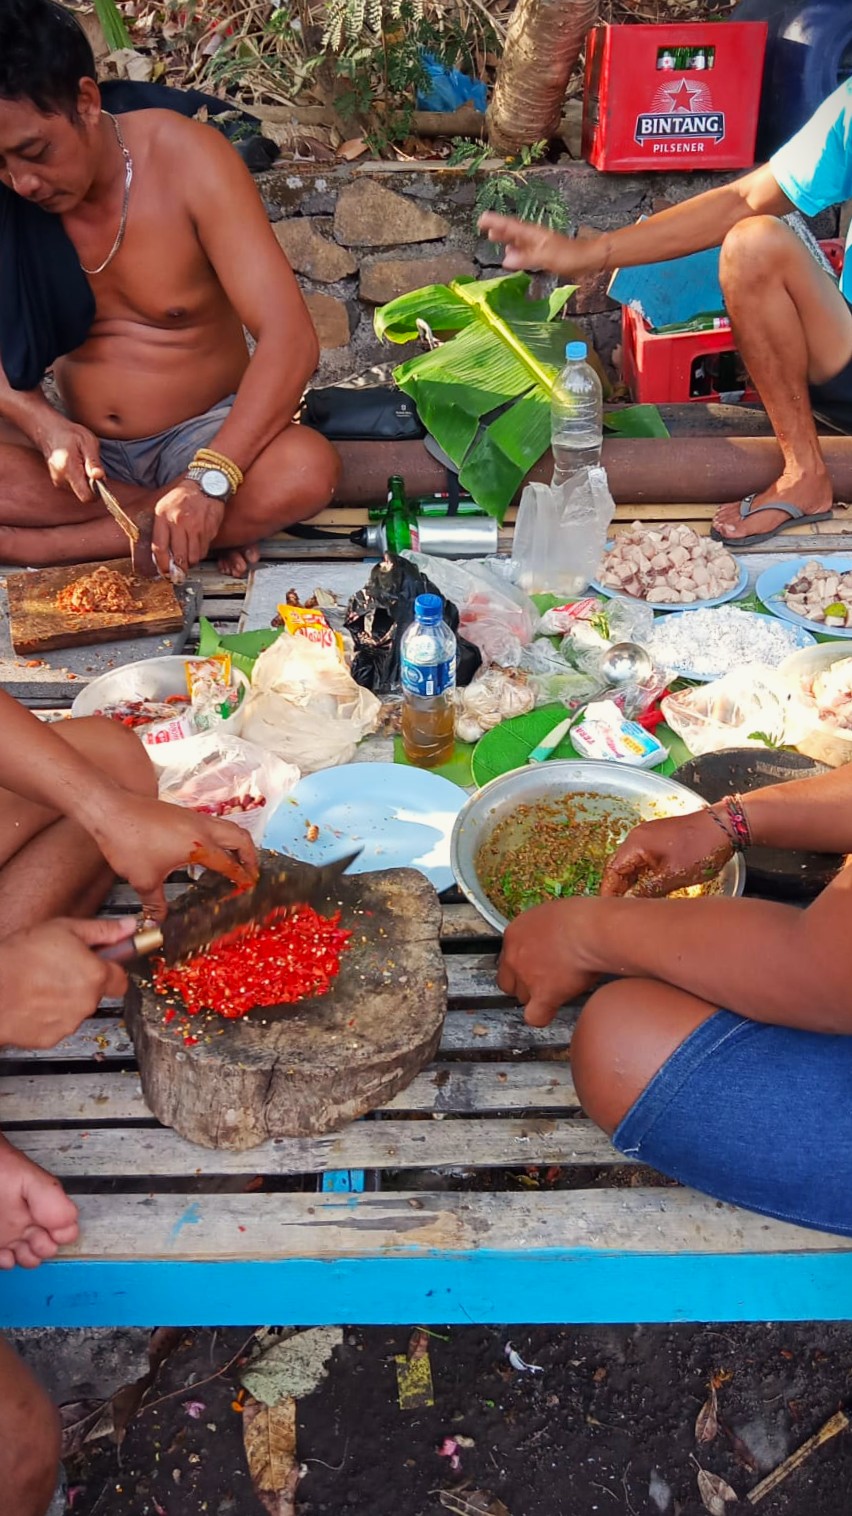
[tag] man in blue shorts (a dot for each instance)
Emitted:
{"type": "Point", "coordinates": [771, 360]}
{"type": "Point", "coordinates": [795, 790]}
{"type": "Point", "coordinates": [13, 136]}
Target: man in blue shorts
{"type": "Point", "coordinates": [792, 324]}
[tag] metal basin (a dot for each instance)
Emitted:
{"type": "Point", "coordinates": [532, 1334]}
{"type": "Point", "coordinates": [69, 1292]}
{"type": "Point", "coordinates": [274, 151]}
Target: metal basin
{"type": "Point", "coordinates": [650, 795]}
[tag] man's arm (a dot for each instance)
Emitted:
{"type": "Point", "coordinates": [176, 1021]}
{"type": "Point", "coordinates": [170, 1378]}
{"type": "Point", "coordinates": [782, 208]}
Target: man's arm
{"type": "Point", "coordinates": [262, 288]}
{"type": "Point", "coordinates": [70, 451]}
{"type": "Point", "coordinates": [690, 227]}
{"type": "Point", "coordinates": [772, 963]}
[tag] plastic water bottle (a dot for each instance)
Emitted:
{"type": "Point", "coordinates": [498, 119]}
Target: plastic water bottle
{"type": "Point", "coordinates": [576, 426]}
{"type": "Point", "coordinates": [428, 668]}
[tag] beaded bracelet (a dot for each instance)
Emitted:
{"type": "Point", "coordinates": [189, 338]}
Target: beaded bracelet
{"type": "Point", "coordinates": [739, 832]}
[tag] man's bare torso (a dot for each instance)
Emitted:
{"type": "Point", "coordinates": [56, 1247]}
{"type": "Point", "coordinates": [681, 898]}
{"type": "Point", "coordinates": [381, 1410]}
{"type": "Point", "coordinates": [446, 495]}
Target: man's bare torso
{"type": "Point", "coordinates": [166, 342]}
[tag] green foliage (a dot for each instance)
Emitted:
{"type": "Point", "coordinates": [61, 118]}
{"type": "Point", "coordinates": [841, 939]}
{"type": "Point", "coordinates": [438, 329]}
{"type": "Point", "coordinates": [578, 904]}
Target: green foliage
{"type": "Point", "coordinates": [510, 191]}
{"type": "Point", "coordinates": [112, 21]}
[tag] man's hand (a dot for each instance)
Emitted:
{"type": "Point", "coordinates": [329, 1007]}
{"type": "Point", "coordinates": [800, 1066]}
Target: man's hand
{"type": "Point", "coordinates": [146, 840]}
{"type": "Point", "coordinates": [531, 246]}
{"type": "Point", "coordinates": [185, 523]}
{"type": "Point", "coordinates": [660, 856]}
{"type": "Point", "coordinates": [540, 965]}
{"type": "Point", "coordinates": [51, 980]}
{"type": "Point", "coordinates": [72, 454]}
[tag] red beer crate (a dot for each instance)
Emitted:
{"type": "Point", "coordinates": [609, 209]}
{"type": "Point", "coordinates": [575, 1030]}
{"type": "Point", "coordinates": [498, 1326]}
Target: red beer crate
{"type": "Point", "coordinates": [673, 97]}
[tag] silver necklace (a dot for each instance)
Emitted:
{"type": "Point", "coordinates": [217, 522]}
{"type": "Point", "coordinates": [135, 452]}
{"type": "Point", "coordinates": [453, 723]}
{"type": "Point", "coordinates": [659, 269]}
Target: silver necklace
{"type": "Point", "coordinates": [128, 180]}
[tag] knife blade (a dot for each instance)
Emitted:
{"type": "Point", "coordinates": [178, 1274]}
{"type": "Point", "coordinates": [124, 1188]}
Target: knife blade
{"type": "Point", "coordinates": [218, 910]}
{"type": "Point", "coordinates": [129, 528]}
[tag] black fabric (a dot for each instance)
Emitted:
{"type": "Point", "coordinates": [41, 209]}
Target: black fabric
{"type": "Point", "coordinates": [377, 616]}
{"type": "Point", "coordinates": [46, 302]}
{"type": "Point", "coordinates": [375, 413]}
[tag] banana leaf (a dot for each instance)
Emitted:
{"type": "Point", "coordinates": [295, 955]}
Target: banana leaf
{"type": "Point", "coordinates": [485, 395]}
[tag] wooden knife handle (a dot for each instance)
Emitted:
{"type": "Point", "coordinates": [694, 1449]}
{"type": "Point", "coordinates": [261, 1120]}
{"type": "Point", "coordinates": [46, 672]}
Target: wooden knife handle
{"type": "Point", "coordinates": [149, 940]}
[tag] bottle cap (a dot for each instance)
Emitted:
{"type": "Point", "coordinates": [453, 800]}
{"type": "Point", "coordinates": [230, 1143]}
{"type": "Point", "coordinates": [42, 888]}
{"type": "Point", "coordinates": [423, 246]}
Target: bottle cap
{"type": "Point", "coordinates": [429, 608]}
{"type": "Point", "coordinates": [577, 351]}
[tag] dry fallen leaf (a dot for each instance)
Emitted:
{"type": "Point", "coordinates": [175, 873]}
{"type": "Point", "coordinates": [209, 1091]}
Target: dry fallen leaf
{"type": "Point", "coordinates": [472, 1503]}
{"type": "Point", "coordinates": [715, 1492]}
{"type": "Point", "coordinates": [269, 1434]}
{"type": "Point", "coordinates": [352, 148]}
{"type": "Point", "coordinates": [707, 1421]}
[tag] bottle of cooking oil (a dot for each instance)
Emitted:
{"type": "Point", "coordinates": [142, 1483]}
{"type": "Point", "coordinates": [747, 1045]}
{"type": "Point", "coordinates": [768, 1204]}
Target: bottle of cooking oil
{"type": "Point", "coordinates": [428, 672]}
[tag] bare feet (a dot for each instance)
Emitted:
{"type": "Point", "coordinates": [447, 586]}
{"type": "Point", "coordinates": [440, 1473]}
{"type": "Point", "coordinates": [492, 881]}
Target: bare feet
{"type": "Point", "coordinates": [812, 493]}
{"type": "Point", "coordinates": [237, 561]}
{"type": "Point", "coordinates": [36, 1216]}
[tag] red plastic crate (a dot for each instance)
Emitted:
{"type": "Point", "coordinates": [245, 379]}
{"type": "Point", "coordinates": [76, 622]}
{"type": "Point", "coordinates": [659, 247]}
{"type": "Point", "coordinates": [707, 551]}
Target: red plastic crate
{"type": "Point", "coordinates": [657, 367]}
{"type": "Point", "coordinates": [649, 105]}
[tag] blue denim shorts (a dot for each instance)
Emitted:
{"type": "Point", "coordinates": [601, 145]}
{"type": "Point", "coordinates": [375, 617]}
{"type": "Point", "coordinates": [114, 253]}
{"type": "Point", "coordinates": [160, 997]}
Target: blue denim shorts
{"type": "Point", "coordinates": [757, 1115]}
{"type": "Point", "coordinates": [156, 461]}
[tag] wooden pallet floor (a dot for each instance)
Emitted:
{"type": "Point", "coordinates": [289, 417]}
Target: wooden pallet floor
{"type": "Point", "coordinates": [438, 1207]}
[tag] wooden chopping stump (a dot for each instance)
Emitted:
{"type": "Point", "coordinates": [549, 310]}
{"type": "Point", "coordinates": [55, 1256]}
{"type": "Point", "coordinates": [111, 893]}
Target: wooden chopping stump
{"type": "Point", "coordinates": [306, 1069]}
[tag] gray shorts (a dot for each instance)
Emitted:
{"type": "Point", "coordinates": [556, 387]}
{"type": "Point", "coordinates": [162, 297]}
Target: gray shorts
{"type": "Point", "coordinates": [156, 461]}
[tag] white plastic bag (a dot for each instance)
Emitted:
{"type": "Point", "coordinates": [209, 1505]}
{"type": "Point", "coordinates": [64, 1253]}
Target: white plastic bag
{"type": "Point", "coordinates": [227, 776]}
{"type": "Point", "coordinates": [493, 613]}
{"type": "Point", "coordinates": [750, 707]}
{"type": "Point", "coordinates": [305, 706]}
{"type": "Point", "coordinates": [561, 532]}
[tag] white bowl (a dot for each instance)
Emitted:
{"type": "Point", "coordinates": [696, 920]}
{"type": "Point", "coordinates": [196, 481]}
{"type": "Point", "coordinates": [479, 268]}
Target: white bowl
{"type": "Point", "coordinates": [827, 744]}
{"type": "Point", "coordinates": [156, 679]}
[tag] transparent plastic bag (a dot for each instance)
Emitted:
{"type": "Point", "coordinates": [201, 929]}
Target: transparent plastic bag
{"type": "Point", "coordinates": [561, 532]}
{"type": "Point", "coordinates": [229, 777]}
{"type": "Point", "coordinates": [305, 706]}
{"type": "Point", "coordinates": [494, 695]}
{"type": "Point", "coordinates": [750, 707]}
{"type": "Point", "coordinates": [494, 614]}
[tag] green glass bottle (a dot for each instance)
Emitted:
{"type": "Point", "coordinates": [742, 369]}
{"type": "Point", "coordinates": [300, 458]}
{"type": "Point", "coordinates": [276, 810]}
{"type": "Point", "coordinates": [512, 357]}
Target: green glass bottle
{"type": "Point", "coordinates": [397, 521]}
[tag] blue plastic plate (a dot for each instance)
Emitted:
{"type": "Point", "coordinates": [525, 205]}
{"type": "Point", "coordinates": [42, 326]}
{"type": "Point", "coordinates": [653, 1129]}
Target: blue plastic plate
{"type": "Point", "coordinates": [402, 817]}
{"type": "Point", "coordinates": [800, 638]}
{"type": "Point", "coordinates": [699, 605]}
{"type": "Point", "coordinates": [775, 579]}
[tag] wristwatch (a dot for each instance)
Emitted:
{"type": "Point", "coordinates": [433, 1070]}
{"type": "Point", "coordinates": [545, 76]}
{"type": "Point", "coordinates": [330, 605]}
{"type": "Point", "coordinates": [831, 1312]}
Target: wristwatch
{"type": "Point", "coordinates": [213, 481]}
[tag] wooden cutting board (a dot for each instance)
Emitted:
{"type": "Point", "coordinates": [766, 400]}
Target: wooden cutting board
{"type": "Point", "coordinates": [36, 624]}
{"type": "Point", "coordinates": [306, 1069]}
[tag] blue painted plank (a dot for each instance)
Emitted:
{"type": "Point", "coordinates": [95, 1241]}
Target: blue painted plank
{"type": "Point", "coordinates": [343, 1182]}
{"type": "Point", "coordinates": [580, 1285]}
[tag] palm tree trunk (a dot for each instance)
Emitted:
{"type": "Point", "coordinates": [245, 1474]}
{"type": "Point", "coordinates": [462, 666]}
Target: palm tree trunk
{"type": "Point", "coordinates": [543, 42]}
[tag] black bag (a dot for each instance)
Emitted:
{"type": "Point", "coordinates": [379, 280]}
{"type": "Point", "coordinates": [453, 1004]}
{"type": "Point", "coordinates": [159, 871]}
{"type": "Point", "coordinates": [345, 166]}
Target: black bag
{"type": "Point", "coordinates": [375, 413]}
{"type": "Point", "coordinates": [378, 615]}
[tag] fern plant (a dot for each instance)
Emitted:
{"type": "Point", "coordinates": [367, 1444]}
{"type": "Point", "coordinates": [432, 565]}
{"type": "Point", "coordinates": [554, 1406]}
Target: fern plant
{"type": "Point", "coordinates": [510, 191]}
{"type": "Point", "coordinates": [347, 20]}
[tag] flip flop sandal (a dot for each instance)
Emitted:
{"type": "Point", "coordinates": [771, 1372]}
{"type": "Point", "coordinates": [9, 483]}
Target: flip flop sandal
{"type": "Point", "coordinates": [794, 513]}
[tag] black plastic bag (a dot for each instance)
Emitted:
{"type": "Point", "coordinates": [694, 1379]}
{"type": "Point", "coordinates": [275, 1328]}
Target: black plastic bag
{"type": "Point", "coordinates": [378, 615]}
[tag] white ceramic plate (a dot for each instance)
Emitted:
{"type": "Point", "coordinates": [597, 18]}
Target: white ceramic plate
{"type": "Point", "coordinates": [401, 817]}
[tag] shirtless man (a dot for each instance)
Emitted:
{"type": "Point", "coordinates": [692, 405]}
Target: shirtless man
{"type": "Point", "coordinates": [77, 806]}
{"type": "Point", "coordinates": [792, 324]}
{"type": "Point", "coordinates": [180, 258]}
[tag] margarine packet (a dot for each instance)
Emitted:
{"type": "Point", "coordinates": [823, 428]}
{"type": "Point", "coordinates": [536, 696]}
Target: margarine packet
{"type": "Point", "coordinates": [302, 622]}
{"type": "Point", "coordinates": [605, 733]}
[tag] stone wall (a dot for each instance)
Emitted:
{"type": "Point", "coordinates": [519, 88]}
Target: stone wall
{"type": "Point", "coordinates": [357, 236]}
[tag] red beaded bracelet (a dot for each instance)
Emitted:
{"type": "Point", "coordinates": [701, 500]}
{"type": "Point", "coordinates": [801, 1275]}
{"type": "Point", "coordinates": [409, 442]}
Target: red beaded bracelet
{"type": "Point", "coordinates": [735, 826]}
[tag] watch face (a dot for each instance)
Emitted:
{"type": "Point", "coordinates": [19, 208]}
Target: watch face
{"type": "Point", "coordinates": [215, 483]}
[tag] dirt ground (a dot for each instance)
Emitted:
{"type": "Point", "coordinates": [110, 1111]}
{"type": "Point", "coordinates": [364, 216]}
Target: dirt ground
{"type": "Point", "coordinates": [608, 1426]}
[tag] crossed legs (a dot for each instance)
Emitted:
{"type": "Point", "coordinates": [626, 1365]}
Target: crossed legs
{"type": "Point", "coordinates": [294, 477]}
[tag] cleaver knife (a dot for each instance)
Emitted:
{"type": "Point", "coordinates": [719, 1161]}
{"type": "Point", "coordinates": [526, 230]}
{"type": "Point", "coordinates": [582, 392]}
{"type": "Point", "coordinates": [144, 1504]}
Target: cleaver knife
{"type": "Point", "coordinates": [218, 910]}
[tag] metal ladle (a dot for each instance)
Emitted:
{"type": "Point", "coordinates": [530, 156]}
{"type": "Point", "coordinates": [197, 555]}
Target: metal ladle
{"type": "Point", "coordinates": [623, 663]}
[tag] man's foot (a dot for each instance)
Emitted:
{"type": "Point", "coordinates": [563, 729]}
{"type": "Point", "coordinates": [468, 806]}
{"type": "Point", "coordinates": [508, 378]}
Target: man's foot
{"type": "Point", "coordinates": [36, 1215]}
{"type": "Point", "coordinates": [237, 561]}
{"type": "Point", "coordinates": [812, 493]}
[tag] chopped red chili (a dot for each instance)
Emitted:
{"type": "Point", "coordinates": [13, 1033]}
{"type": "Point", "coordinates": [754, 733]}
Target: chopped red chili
{"type": "Point", "coordinates": [282, 960]}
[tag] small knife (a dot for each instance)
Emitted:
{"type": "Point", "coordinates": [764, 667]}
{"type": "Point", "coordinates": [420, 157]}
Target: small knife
{"type": "Point", "coordinates": [218, 910]}
{"type": "Point", "coordinates": [129, 528]}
